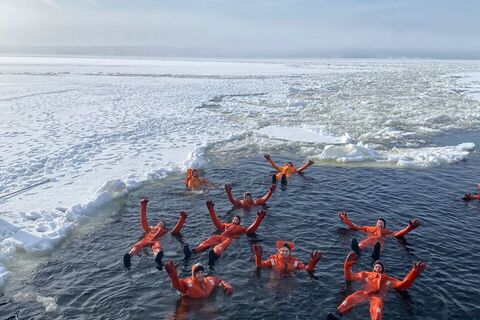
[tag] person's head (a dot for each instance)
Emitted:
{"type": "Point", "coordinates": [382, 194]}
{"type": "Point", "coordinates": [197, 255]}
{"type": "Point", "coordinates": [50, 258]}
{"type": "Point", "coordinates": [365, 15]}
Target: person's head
{"type": "Point", "coordinates": [285, 250]}
{"type": "Point", "coordinates": [195, 173]}
{"type": "Point", "coordinates": [247, 196]}
{"type": "Point", "coordinates": [289, 164]}
{"type": "Point", "coordinates": [378, 267]}
{"type": "Point", "coordinates": [162, 224]}
{"type": "Point", "coordinates": [236, 220]}
{"type": "Point", "coordinates": [198, 272]}
{"type": "Point", "coordinates": [381, 223]}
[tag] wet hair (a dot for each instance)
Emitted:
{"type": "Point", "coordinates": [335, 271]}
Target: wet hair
{"type": "Point", "coordinates": [197, 268]}
{"type": "Point", "coordinates": [239, 219]}
{"type": "Point", "coordinates": [286, 245]}
{"type": "Point", "coordinates": [380, 263]}
{"type": "Point", "coordinates": [164, 223]}
{"type": "Point", "coordinates": [194, 170]}
{"type": "Point", "coordinates": [384, 222]}
{"type": "Point", "coordinates": [290, 163]}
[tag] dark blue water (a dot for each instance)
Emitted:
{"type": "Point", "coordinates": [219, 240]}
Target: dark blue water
{"type": "Point", "coordinates": [87, 277]}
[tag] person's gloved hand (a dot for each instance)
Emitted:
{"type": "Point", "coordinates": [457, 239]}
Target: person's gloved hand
{"type": "Point", "coordinates": [419, 266]}
{"type": "Point", "coordinates": [315, 255]}
{"type": "Point", "coordinates": [257, 249]}
{"type": "Point", "coordinates": [228, 289]}
{"type": "Point", "coordinates": [414, 223]}
{"type": "Point", "coordinates": [267, 156]}
{"type": "Point", "coordinates": [351, 258]}
{"type": "Point", "coordinates": [342, 215]}
{"type": "Point", "coordinates": [310, 162]}
{"type": "Point", "coordinates": [228, 187]}
{"type": "Point", "coordinates": [262, 213]}
{"type": "Point", "coordinates": [210, 204]}
{"type": "Point", "coordinates": [183, 214]}
{"type": "Point", "coordinates": [170, 267]}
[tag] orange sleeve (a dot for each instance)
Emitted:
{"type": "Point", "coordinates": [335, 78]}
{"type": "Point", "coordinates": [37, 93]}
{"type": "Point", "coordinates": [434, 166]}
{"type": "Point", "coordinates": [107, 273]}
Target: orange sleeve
{"type": "Point", "coordinates": [274, 165]}
{"type": "Point", "coordinates": [407, 282]}
{"type": "Point", "coordinates": [347, 270]}
{"type": "Point", "coordinates": [351, 225]}
{"type": "Point", "coordinates": [404, 231]}
{"type": "Point", "coordinates": [254, 226]}
{"type": "Point", "coordinates": [178, 284]}
{"type": "Point", "coordinates": [232, 199]}
{"type": "Point", "coordinates": [216, 222]}
{"type": "Point", "coordinates": [305, 166]}
{"type": "Point", "coordinates": [180, 223]}
{"type": "Point", "coordinates": [143, 215]}
{"type": "Point", "coordinates": [267, 196]}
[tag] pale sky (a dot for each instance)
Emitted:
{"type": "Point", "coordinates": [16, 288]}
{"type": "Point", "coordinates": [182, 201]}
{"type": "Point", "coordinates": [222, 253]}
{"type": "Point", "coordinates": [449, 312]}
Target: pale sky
{"type": "Point", "coordinates": [272, 27]}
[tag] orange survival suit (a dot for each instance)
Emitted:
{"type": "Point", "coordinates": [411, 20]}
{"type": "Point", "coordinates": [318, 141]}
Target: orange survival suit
{"type": "Point", "coordinates": [284, 264]}
{"type": "Point", "coordinates": [377, 233]}
{"type": "Point", "coordinates": [230, 231]}
{"type": "Point", "coordinates": [375, 286]}
{"type": "Point", "coordinates": [191, 286]}
{"type": "Point", "coordinates": [288, 169]}
{"type": "Point", "coordinates": [248, 203]}
{"type": "Point", "coordinates": [194, 183]}
{"type": "Point", "coordinates": [152, 235]}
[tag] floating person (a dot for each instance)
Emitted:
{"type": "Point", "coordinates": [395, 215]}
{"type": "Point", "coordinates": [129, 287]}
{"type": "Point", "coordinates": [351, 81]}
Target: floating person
{"type": "Point", "coordinates": [230, 231]}
{"type": "Point", "coordinates": [475, 196]}
{"type": "Point", "coordinates": [375, 287]}
{"type": "Point", "coordinates": [152, 235]}
{"type": "Point", "coordinates": [375, 234]}
{"type": "Point", "coordinates": [287, 170]}
{"type": "Point", "coordinates": [247, 201]}
{"type": "Point", "coordinates": [193, 181]}
{"type": "Point", "coordinates": [198, 285]}
{"type": "Point", "coordinates": [283, 260]}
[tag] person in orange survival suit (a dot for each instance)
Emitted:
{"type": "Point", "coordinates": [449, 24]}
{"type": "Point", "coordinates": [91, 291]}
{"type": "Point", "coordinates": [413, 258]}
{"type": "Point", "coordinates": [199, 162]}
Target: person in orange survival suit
{"type": "Point", "coordinates": [375, 287]}
{"type": "Point", "coordinates": [198, 285]}
{"type": "Point", "coordinates": [475, 196]}
{"type": "Point", "coordinates": [152, 235]}
{"type": "Point", "coordinates": [283, 260]}
{"type": "Point", "coordinates": [230, 231]}
{"type": "Point", "coordinates": [193, 181]}
{"type": "Point", "coordinates": [287, 170]}
{"type": "Point", "coordinates": [247, 201]}
{"type": "Point", "coordinates": [375, 234]}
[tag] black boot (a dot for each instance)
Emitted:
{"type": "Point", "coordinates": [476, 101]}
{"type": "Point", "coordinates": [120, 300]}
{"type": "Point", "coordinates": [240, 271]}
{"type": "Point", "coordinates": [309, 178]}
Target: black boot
{"type": "Point", "coordinates": [284, 180]}
{"type": "Point", "coordinates": [126, 260]}
{"type": "Point", "coordinates": [274, 178]}
{"type": "Point", "coordinates": [355, 247]}
{"type": "Point", "coordinates": [376, 251]}
{"type": "Point", "coordinates": [187, 252]}
{"type": "Point", "coordinates": [331, 316]}
{"type": "Point", "coordinates": [158, 260]}
{"type": "Point", "coordinates": [212, 257]}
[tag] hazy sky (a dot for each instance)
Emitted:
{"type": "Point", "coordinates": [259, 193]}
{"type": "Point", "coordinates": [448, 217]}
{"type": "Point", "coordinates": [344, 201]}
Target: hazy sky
{"type": "Point", "coordinates": [257, 26]}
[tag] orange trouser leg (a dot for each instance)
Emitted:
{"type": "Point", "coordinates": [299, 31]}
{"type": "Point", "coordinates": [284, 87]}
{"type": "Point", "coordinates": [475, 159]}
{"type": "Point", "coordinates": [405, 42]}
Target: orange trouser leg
{"type": "Point", "coordinates": [376, 308]}
{"type": "Point", "coordinates": [214, 240]}
{"type": "Point", "coordinates": [138, 246]}
{"type": "Point", "coordinates": [351, 301]}
{"type": "Point", "coordinates": [222, 246]}
{"type": "Point", "coordinates": [156, 247]}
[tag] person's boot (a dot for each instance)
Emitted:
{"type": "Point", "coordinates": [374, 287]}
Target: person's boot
{"type": "Point", "coordinates": [331, 316]}
{"type": "Point", "coordinates": [212, 258]}
{"type": "Point", "coordinates": [158, 260]}
{"type": "Point", "coordinates": [274, 178]}
{"type": "Point", "coordinates": [355, 247]}
{"type": "Point", "coordinates": [187, 252]}
{"type": "Point", "coordinates": [126, 261]}
{"type": "Point", "coordinates": [284, 180]}
{"type": "Point", "coordinates": [376, 251]}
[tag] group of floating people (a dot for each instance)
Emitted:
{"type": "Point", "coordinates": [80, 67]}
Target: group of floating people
{"type": "Point", "coordinates": [375, 282]}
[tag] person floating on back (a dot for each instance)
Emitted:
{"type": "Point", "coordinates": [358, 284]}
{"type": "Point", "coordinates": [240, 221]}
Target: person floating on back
{"type": "Point", "coordinates": [375, 287]}
{"type": "Point", "coordinates": [475, 196]}
{"type": "Point", "coordinates": [283, 260]}
{"type": "Point", "coordinates": [287, 170]}
{"type": "Point", "coordinates": [230, 231]}
{"type": "Point", "coordinates": [247, 201]}
{"type": "Point", "coordinates": [375, 234]}
{"type": "Point", "coordinates": [152, 235]}
{"type": "Point", "coordinates": [193, 181]}
{"type": "Point", "coordinates": [198, 285]}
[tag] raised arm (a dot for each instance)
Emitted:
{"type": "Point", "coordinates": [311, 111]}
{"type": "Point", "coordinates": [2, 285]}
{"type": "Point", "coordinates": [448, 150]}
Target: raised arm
{"type": "Point", "coordinates": [347, 268]}
{"type": "Point", "coordinates": [305, 166]}
{"type": "Point", "coordinates": [143, 214]}
{"type": "Point", "coordinates": [412, 224]}
{"type": "Point", "coordinates": [258, 250]}
{"type": "Point", "coordinates": [254, 226]}
{"type": "Point", "coordinates": [315, 256]}
{"type": "Point", "coordinates": [231, 198]}
{"type": "Point", "coordinates": [417, 269]}
{"type": "Point", "coordinates": [181, 221]}
{"type": "Point", "coordinates": [177, 284]}
{"type": "Point", "coordinates": [343, 216]}
{"type": "Point", "coordinates": [227, 288]}
{"type": "Point", "coordinates": [269, 159]}
{"type": "Point", "coordinates": [216, 222]}
{"type": "Point", "coordinates": [267, 196]}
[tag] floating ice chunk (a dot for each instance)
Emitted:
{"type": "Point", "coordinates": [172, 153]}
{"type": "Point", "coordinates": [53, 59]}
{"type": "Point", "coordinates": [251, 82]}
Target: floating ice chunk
{"type": "Point", "coordinates": [48, 303]}
{"type": "Point", "coordinates": [350, 153]}
{"type": "Point", "coordinates": [302, 135]}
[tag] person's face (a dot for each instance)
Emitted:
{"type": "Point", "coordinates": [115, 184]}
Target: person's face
{"type": "Point", "coordinates": [247, 197]}
{"type": "Point", "coordinates": [284, 252]}
{"type": "Point", "coordinates": [162, 224]}
{"type": "Point", "coordinates": [377, 268]}
{"type": "Point", "coordinates": [380, 224]}
{"type": "Point", "coordinates": [288, 164]}
{"type": "Point", "coordinates": [236, 220]}
{"type": "Point", "coordinates": [195, 173]}
{"type": "Point", "coordinates": [199, 276]}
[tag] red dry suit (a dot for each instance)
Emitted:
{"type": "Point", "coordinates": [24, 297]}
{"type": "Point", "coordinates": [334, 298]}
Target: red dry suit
{"type": "Point", "coordinates": [377, 233]}
{"type": "Point", "coordinates": [230, 231]}
{"type": "Point", "coordinates": [152, 235]}
{"type": "Point", "coordinates": [193, 288]}
{"type": "Point", "coordinates": [287, 169]}
{"type": "Point", "coordinates": [281, 264]}
{"type": "Point", "coordinates": [375, 287]}
{"type": "Point", "coordinates": [248, 203]}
